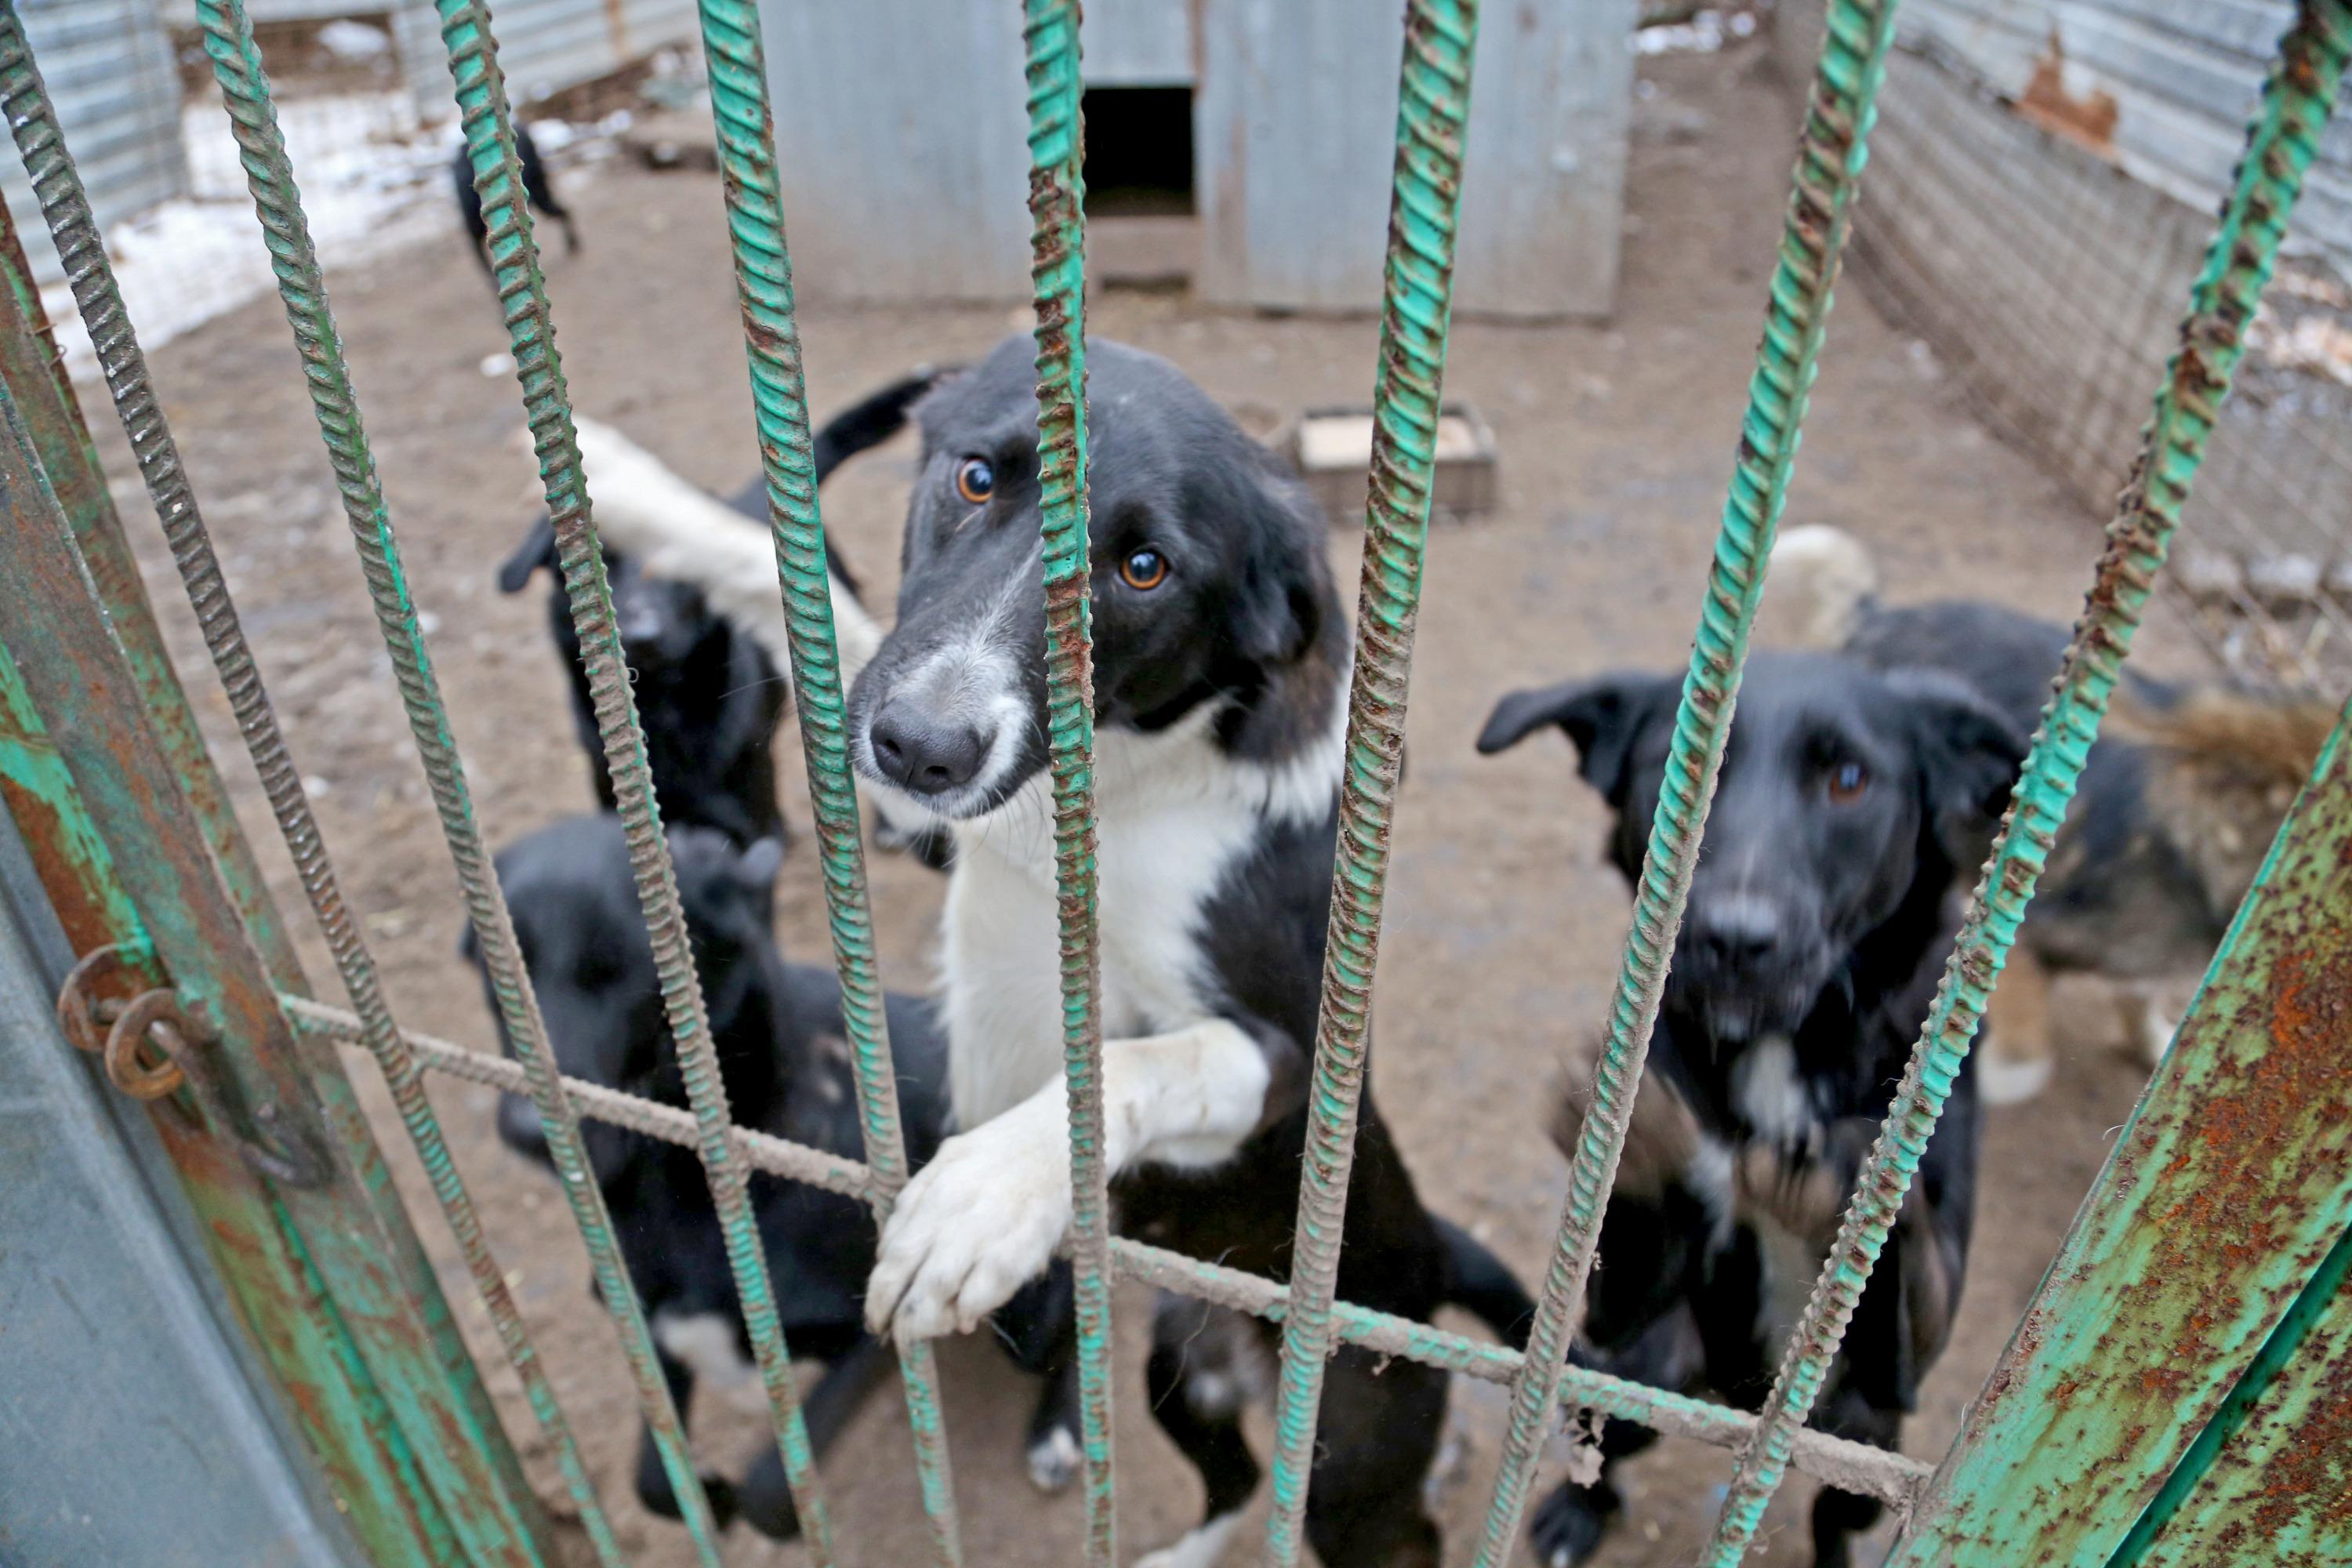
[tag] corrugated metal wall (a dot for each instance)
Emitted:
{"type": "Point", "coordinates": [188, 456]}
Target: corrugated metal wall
{"type": "Point", "coordinates": [1296, 133]}
{"type": "Point", "coordinates": [902, 131]}
{"type": "Point", "coordinates": [108, 64]}
{"type": "Point", "coordinates": [2179, 78]}
{"type": "Point", "coordinates": [2045, 249]}
{"type": "Point", "coordinates": [544, 45]}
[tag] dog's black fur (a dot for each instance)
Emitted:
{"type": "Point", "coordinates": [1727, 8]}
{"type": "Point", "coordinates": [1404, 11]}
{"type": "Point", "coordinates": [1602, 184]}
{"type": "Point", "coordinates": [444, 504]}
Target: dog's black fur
{"type": "Point", "coordinates": [1247, 628]}
{"type": "Point", "coordinates": [1850, 803]}
{"type": "Point", "coordinates": [709, 697]}
{"type": "Point", "coordinates": [536, 190]}
{"type": "Point", "coordinates": [784, 1059]}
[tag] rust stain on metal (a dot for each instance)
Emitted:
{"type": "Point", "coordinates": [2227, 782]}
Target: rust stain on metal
{"type": "Point", "coordinates": [2087, 120]}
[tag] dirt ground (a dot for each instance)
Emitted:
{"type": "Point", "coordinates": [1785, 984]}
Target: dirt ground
{"type": "Point", "coordinates": [1503, 924]}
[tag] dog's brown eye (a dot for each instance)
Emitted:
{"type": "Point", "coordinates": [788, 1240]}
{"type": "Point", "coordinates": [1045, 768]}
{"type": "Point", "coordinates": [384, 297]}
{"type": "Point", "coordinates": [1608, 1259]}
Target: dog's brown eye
{"type": "Point", "coordinates": [1145, 569]}
{"type": "Point", "coordinates": [1847, 781]}
{"type": "Point", "coordinates": [975, 481]}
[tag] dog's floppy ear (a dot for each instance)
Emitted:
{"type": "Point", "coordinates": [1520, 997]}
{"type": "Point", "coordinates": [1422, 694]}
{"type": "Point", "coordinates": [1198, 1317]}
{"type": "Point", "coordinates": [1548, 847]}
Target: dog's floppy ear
{"type": "Point", "coordinates": [1602, 718]}
{"type": "Point", "coordinates": [1278, 610]}
{"type": "Point", "coordinates": [1969, 757]}
{"type": "Point", "coordinates": [537, 550]}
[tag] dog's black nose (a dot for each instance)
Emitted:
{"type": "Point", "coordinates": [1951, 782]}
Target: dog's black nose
{"type": "Point", "coordinates": [1736, 933]}
{"type": "Point", "coordinates": [920, 752]}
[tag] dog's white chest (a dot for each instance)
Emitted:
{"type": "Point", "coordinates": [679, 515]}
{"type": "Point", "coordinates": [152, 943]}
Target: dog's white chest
{"type": "Point", "coordinates": [1161, 856]}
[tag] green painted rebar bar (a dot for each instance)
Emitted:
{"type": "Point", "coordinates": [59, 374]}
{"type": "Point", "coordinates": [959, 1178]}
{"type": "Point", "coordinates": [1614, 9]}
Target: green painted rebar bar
{"type": "Point", "coordinates": [1830, 157]}
{"type": "Point", "coordinates": [66, 205]}
{"type": "Point", "coordinates": [1057, 270]}
{"type": "Point", "coordinates": [1433, 113]}
{"type": "Point", "coordinates": [763, 280]}
{"type": "Point", "coordinates": [1855, 1465]}
{"type": "Point", "coordinates": [522, 289]}
{"type": "Point", "coordinates": [236, 64]}
{"type": "Point", "coordinates": [2282, 141]}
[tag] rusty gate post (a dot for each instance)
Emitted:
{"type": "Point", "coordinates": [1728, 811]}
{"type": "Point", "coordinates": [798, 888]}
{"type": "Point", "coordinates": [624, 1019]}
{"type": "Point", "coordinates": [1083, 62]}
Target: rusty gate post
{"type": "Point", "coordinates": [300, 1222]}
{"type": "Point", "coordinates": [2206, 1257]}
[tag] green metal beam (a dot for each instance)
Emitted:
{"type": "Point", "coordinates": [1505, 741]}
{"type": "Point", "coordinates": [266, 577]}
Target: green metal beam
{"type": "Point", "coordinates": [306, 1260]}
{"type": "Point", "coordinates": [1058, 268]}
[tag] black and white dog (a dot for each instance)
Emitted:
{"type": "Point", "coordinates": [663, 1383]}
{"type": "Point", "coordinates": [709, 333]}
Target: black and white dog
{"type": "Point", "coordinates": [1221, 661]}
{"type": "Point", "coordinates": [784, 1059]}
{"type": "Point", "coordinates": [709, 693]}
{"type": "Point", "coordinates": [1850, 805]}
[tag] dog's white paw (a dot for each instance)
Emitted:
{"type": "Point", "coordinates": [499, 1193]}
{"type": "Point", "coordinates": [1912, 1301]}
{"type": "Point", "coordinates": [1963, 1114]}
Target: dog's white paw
{"type": "Point", "coordinates": [1198, 1548]}
{"type": "Point", "coordinates": [2005, 1080]}
{"type": "Point", "coordinates": [1053, 1460]}
{"type": "Point", "coordinates": [980, 1221]}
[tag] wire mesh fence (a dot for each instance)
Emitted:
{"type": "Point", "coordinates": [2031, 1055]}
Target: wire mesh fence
{"type": "Point", "coordinates": [2050, 277]}
{"type": "Point", "coordinates": [2192, 368]}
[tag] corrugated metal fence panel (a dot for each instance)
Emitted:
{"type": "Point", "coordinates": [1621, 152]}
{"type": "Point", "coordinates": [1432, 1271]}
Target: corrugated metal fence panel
{"type": "Point", "coordinates": [1292, 183]}
{"type": "Point", "coordinates": [901, 137]}
{"type": "Point", "coordinates": [544, 45]}
{"type": "Point", "coordinates": [109, 67]}
{"type": "Point", "coordinates": [2182, 76]}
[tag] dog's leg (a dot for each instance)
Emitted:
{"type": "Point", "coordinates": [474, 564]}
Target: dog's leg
{"type": "Point", "coordinates": [1838, 1517]}
{"type": "Point", "coordinates": [1566, 1527]}
{"type": "Point", "coordinates": [1040, 1331]}
{"type": "Point", "coordinates": [654, 1490]}
{"type": "Point", "coordinates": [764, 1500]}
{"type": "Point", "coordinates": [2018, 1057]}
{"type": "Point", "coordinates": [984, 1215]}
{"type": "Point", "coordinates": [1375, 1436]}
{"type": "Point", "coordinates": [1198, 1389]}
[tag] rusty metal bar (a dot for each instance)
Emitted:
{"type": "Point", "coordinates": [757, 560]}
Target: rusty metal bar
{"type": "Point", "coordinates": [1828, 174]}
{"type": "Point", "coordinates": [763, 280]}
{"type": "Point", "coordinates": [2212, 1241]}
{"type": "Point", "coordinates": [236, 64]}
{"type": "Point", "coordinates": [426, 1476]}
{"type": "Point", "coordinates": [1058, 272]}
{"type": "Point", "coordinates": [1856, 1466]}
{"type": "Point", "coordinates": [513, 250]}
{"type": "Point", "coordinates": [72, 225]}
{"type": "Point", "coordinates": [1433, 113]}
{"type": "Point", "coordinates": [2282, 141]}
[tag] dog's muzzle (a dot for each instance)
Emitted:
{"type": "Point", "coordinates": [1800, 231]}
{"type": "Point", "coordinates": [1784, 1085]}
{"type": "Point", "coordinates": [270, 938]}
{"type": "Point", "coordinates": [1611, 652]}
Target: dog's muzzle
{"type": "Point", "coordinates": [923, 751]}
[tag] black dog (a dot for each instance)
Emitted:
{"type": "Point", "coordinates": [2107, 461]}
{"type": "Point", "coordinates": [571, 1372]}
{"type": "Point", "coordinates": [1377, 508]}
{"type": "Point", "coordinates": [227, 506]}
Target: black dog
{"type": "Point", "coordinates": [2175, 809]}
{"type": "Point", "coordinates": [1850, 803]}
{"type": "Point", "coordinates": [708, 696]}
{"type": "Point", "coordinates": [535, 189]}
{"type": "Point", "coordinates": [1221, 659]}
{"type": "Point", "coordinates": [785, 1063]}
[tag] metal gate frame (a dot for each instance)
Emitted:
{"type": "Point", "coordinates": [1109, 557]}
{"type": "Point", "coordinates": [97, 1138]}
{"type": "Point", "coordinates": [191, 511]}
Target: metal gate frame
{"type": "Point", "coordinates": [2205, 1265]}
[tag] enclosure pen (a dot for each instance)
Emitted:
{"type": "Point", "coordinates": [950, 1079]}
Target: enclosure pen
{"type": "Point", "coordinates": [430, 1455]}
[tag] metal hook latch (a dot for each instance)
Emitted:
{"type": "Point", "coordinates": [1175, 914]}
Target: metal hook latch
{"type": "Point", "coordinates": [152, 1025]}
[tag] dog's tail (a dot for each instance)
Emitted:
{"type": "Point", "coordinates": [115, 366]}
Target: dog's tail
{"type": "Point", "coordinates": [2263, 737]}
{"type": "Point", "coordinates": [1824, 583]}
{"type": "Point", "coordinates": [874, 418]}
{"type": "Point", "coordinates": [1483, 1285]}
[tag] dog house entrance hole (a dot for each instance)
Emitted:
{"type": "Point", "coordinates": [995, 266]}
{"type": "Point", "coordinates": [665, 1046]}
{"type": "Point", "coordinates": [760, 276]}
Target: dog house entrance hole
{"type": "Point", "coordinates": [1138, 151]}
